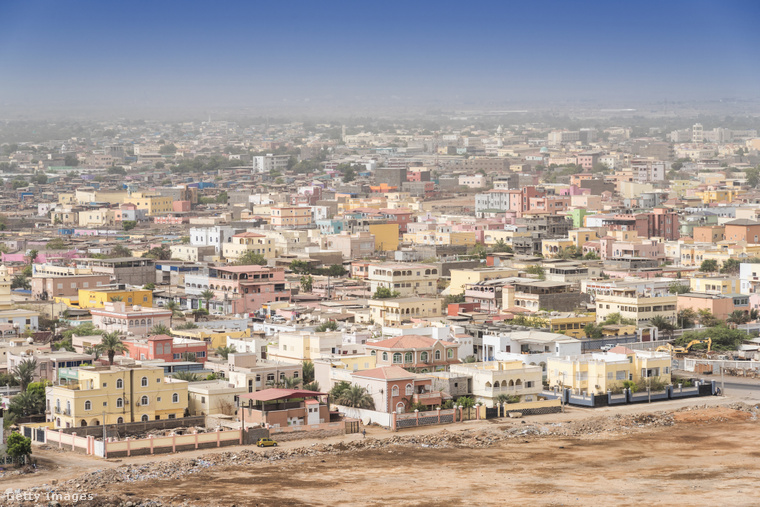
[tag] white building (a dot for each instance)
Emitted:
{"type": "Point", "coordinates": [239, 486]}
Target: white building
{"type": "Point", "coordinates": [212, 236]}
{"type": "Point", "coordinates": [532, 347]}
{"type": "Point", "coordinates": [270, 162]}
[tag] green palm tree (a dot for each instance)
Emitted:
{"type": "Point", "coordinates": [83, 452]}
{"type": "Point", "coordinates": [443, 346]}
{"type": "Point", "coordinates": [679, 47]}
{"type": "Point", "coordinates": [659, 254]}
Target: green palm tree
{"type": "Point", "coordinates": [207, 295]}
{"type": "Point", "coordinates": [312, 386]}
{"type": "Point", "coordinates": [174, 307]}
{"type": "Point", "coordinates": [187, 376]}
{"type": "Point", "coordinates": [117, 299]}
{"type": "Point", "coordinates": [33, 255]}
{"type": "Point", "coordinates": [506, 398]}
{"type": "Point", "coordinates": [662, 324]}
{"type": "Point", "coordinates": [356, 397]}
{"type": "Point", "coordinates": [291, 382]}
{"type": "Point", "coordinates": [308, 371]}
{"type": "Point", "coordinates": [111, 344]}
{"type": "Point", "coordinates": [25, 404]}
{"type": "Point", "coordinates": [160, 329]}
{"type": "Point", "coordinates": [226, 351]}
{"type": "Point", "coordinates": [24, 372]}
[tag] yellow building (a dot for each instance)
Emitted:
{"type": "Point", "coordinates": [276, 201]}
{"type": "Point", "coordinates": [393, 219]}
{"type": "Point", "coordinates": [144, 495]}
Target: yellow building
{"type": "Point", "coordinates": [304, 346]}
{"type": "Point", "coordinates": [89, 195]}
{"type": "Point", "coordinates": [396, 311]}
{"type": "Point", "coordinates": [386, 236]}
{"type": "Point", "coordinates": [405, 278]}
{"type": "Point", "coordinates": [214, 337]}
{"type": "Point", "coordinates": [599, 372]}
{"type": "Point", "coordinates": [248, 242]}
{"type": "Point", "coordinates": [67, 199]}
{"type": "Point", "coordinates": [462, 277]}
{"type": "Point", "coordinates": [569, 324]}
{"type": "Point", "coordinates": [152, 204]}
{"type": "Point", "coordinates": [718, 195]}
{"type": "Point", "coordinates": [115, 395]}
{"type": "Point", "coordinates": [290, 216]}
{"type": "Point", "coordinates": [553, 247]}
{"type": "Point", "coordinates": [64, 216]}
{"type": "Point", "coordinates": [715, 284]}
{"type": "Point", "coordinates": [639, 308]}
{"type": "Point", "coordinates": [96, 217]}
{"type": "Point", "coordinates": [93, 298]}
{"type": "Point", "coordinates": [581, 236]}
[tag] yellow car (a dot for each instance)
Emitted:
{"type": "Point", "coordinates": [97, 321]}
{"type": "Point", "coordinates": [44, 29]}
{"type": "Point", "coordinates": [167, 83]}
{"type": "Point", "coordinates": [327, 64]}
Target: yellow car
{"type": "Point", "coordinates": [266, 442]}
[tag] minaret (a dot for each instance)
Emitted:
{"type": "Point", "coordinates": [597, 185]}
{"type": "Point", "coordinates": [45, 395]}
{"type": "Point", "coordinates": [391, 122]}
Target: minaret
{"type": "Point", "coordinates": [5, 289]}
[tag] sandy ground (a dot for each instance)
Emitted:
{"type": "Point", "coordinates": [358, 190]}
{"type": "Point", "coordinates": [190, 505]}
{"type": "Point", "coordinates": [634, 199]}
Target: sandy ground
{"type": "Point", "coordinates": [709, 457]}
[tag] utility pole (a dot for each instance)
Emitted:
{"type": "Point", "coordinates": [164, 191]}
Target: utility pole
{"type": "Point", "coordinates": [722, 382]}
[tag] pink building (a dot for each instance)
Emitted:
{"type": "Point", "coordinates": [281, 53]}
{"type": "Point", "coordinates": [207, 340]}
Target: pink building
{"type": "Point", "coordinates": [166, 348]}
{"type": "Point", "coordinates": [248, 287]}
{"type": "Point", "coordinates": [181, 206]}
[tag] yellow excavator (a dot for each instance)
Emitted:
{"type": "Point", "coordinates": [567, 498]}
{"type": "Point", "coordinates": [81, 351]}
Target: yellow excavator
{"type": "Point", "coordinates": [684, 350]}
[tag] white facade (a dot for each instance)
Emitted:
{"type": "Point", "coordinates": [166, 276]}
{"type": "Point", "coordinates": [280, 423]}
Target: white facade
{"type": "Point", "coordinates": [212, 236]}
{"type": "Point", "coordinates": [531, 347]}
{"type": "Point", "coordinates": [270, 162]}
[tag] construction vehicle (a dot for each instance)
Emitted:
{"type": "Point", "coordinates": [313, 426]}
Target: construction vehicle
{"type": "Point", "coordinates": [684, 350]}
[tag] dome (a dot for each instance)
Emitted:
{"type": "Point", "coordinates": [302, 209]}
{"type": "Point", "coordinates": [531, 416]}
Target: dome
{"type": "Point", "coordinates": [544, 149]}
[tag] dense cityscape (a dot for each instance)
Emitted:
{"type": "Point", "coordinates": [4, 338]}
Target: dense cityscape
{"type": "Point", "coordinates": [379, 255]}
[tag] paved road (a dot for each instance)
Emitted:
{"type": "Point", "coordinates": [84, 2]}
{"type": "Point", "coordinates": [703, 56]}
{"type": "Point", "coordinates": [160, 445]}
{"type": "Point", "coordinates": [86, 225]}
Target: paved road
{"type": "Point", "coordinates": [741, 390]}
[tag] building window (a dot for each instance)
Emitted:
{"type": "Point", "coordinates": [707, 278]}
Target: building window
{"type": "Point", "coordinates": [437, 355]}
{"type": "Point", "coordinates": [270, 377]}
{"type": "Point", "coordinates": [385, 356]}
{"type": "Point", "coordinates": [397, 358]}
{"type": "Point", "coordinates": [409, 389]}
{"type": "Point", "coordinates": [175, 398]}
{"type": "Point", "coordinates": [394, 391]}
{"type": "Point", "coordinates": [144, 418]}
{"type": "Point", "coordinates": [450, 353]}
{"type": "Point", "coordinates": [408, 357]}
{"type": "Point", "coordinates": [144, 382]}
{"type": "Point", "coordinates": [119, 403]}
{"type": "Point", "coordinates": [144, 400]}
{"type": "Point", "coordinates": [88, 405]}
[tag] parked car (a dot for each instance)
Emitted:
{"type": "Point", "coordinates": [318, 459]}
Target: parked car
{"type": "Point", "coordinates": [607, 347]}
{"type": "Point", "coordinates": [266, 442]}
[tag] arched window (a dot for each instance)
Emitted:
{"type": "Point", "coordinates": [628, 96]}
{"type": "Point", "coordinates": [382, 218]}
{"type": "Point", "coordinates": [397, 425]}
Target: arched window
{"type": "Point", "coordinates": [119, 403]}
{"type": "Point", "coordinates": [409, 389]}
{"type": "Point", "coordinates": [424, 357]}
{"type": "Point", "coordinates": [131, 322]}
{"type": "Point", "coordinates": [385, 356]}
{"type": "Point", "coordinates": [144, 382]}
{"type": "Point", "coordinates": [394, 391]}
{"type": "Point", "coordinates": [488, 384]}
{"type": "Point", "coordinates": [144, 400]}
{"type": "Point", "coordinates": [408, 357]}
{"type": "Point", "coordinates": [120, 420]}
{"type": "Point", "coordinates": [437, 355]}
{"type": "Point", "coordinates": [144, 418]}
{"type": "Point", "coordinates": [373, 353]}
{"type": "Point", "coordinates": [270, 377]}
{"type": "Point", "coordinates": [119, 383]}
{"type": "Point", "coordinates": [450, 353]}
{"type": "Point", "coordinates": [397, 357]}
{"type": "Point", "coordinates": [88, 405]}
{"type": "Point", "coordinates": [175, 398]}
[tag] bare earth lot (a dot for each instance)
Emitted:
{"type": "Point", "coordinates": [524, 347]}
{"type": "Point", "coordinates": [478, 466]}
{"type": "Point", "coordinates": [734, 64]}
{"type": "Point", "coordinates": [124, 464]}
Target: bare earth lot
{"type": "Point", "coordinates": [706, 456]}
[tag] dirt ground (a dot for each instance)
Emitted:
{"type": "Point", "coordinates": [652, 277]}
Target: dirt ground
{"type": "Point", "coordinates": [699, 456]}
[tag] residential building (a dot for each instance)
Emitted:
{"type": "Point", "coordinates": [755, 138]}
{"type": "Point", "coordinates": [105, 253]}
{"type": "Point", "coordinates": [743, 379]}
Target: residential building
{"type": "Point", "coordinates": [598, 373]}
{"type": "Point", "coordinates": [49, 363]}
{"type": "Point", "coordinates": [166, 348]}
{"type": "Point", "coordinates": [49, 286]}
{"type": "Point", "coordinates": [213, 397]}
{"type": "Point", "coordinates": [99, 395]}
{"type": "Point", "coordinates": [124, 270]}
{"type": "Point", "coordinates": [406, 279]}
{"type": "Point", "coordinates": [352, 246]}
{"type": "Point", "coordinates": [396, 311]}
{"type": "Point", "coordinates": [394, 389]}
{"type": "Point", "coordinates": [416, 352]}
{"type": "Point", "coordinates": [636, 306]}
{"type": "Point", "coordinates": [494, 378]}
{"type": "Point", "coordinates": [291, 217]}
{"type": "Point", "coordinates": [125, 318]}
{"type": "Point", "coordinates": [272, 409]}
{"type": "Point", "coordinates": [245, 242]}
{"type": "Point", "coordinates": [97, 298]}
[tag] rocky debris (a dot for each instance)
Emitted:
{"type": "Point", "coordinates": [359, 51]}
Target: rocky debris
{"type": "Point", "coordinates": [98, 482]}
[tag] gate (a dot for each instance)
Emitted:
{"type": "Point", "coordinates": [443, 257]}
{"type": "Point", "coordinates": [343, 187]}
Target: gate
{"type": "Point", "coordinates": [492, 412]}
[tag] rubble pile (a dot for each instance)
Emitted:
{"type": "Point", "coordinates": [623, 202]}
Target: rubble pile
{"type": "Point", "coordinates": [99, 481]}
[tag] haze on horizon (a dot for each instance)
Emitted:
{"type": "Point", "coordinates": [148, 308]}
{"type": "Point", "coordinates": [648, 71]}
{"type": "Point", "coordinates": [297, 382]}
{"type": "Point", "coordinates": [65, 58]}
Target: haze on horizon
{"type": "Point", "coordinates": [344, 56]}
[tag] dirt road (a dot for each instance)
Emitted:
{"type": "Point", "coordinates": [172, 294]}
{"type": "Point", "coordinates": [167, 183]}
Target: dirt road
{"type": "Point", "coordinates": [702, 456]}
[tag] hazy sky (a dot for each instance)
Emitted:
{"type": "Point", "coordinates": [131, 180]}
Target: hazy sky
{"type": "Point", "coordinates": [188, 53]}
